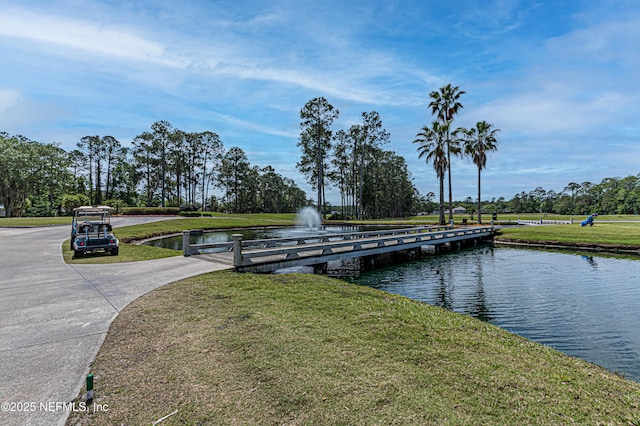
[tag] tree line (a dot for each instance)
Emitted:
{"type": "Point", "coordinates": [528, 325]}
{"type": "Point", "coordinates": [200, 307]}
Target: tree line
{"type": "Point", "coordinates": [372, 182]}
{"type": "Point", "coordinates": [164, 166]}
{"type": "Point", "coordinates": [611, 196]}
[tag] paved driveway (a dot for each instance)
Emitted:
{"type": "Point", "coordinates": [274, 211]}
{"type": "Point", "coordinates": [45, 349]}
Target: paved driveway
{"type": "Point", "coordinates": [55, 316]}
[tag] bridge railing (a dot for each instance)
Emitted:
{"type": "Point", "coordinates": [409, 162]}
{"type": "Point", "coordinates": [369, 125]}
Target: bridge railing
{"type": "Point", "coordinates": [385, 242]}
{"type": "Point", "coordinates": [542, 221]}
{"type": "Point", "coordinates": [189, 249]}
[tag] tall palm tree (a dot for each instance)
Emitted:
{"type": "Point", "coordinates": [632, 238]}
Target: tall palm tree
{"type": "Point", "coordinates": [480, 140]}
{"type": "Point", "coordinates": [433, 147]}
{"type": "Point", "coordinates": [445, 104]}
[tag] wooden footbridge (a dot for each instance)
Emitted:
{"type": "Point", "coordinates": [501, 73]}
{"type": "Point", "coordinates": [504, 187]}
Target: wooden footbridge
{"type": "Point", "coordinates": [269, 255]}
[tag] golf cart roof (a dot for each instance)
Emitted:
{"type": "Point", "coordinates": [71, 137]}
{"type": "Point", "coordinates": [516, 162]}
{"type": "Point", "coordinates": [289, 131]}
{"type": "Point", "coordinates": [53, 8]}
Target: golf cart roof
{"type": "Point", "coordinates": [92, 209]}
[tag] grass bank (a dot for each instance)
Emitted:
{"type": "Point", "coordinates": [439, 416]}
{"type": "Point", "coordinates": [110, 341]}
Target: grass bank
{"type": "Point", "coordinates": [226, 348]}
{"type": "Point", "coordinates": [623, 236]}
{"type": "Point", "coordinates": [27, 222]}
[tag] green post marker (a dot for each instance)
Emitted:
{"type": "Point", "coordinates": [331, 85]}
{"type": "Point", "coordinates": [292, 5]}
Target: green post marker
{"type": "Point", "coordinates": [89, 388]}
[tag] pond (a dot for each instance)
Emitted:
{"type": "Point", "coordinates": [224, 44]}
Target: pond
{"type": "Point", "coordinates": [582, 305]}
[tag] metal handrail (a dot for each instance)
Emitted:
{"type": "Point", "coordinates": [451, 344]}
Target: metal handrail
{"type": "Point", "coordinates": [246, 258]}
{"type": "Point", "coordinates": [191, 249]}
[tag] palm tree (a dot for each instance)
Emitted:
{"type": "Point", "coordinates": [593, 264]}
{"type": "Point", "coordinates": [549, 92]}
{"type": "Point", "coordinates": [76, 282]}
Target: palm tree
{"type": "Point", "coordinates": [445, 104]}
{"type": "Point", "coordinates": [433, 147]}
{"type": "Point", "coordinates": [480, 140]}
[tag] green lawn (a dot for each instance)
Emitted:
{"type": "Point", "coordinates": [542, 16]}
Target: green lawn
{"type": "Point", "coordinates": [244, 349]}
{"type": "Point", "coordinates": [34, 221]}
{"type": "Point", "coordinates": [127, 253]}
{"type": "Point", "coordinates": [615, 234]}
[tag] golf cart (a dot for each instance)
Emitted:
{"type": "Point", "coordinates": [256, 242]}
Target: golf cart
{"type": "Point", "coordinates": [91, 231]}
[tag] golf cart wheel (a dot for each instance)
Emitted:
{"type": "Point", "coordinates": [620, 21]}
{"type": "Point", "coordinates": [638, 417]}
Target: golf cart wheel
{"type": "Point", "coordinates": [114, 252]}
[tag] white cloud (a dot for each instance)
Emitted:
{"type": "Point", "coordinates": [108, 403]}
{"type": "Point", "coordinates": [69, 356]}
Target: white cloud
{"type": "Point", "coordinates": [336, 70]}
{"type": "Point", "coordinates": [18, 112]}
{"type": "Point", "coordinates": [615, 41]}
{"type": "Point", "coordinates": [86, 36]}
{"type": "Point", "coordinates": [9, 98]}
{"type": "Point", "coordinates": [236, 122]}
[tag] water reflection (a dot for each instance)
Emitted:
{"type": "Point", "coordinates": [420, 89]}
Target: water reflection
{"type": "Point", "coordinates": [591, 261]}
{"type": "Point", "coordinates": [585, 306]}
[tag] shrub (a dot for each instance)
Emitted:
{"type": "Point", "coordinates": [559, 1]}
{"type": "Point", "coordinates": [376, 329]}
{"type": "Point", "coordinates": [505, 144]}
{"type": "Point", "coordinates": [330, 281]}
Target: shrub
{"type": "Point", "coordinates": [151, 211]}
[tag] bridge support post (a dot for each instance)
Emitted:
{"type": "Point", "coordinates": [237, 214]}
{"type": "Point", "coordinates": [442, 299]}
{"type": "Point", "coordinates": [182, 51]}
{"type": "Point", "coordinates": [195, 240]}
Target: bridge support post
{"type": "Point", "coordinates": [237, 250]}
{"type": "Point", "coordinates": [186, 250]}
{"type": "Point", "coordinates": [320, 268]}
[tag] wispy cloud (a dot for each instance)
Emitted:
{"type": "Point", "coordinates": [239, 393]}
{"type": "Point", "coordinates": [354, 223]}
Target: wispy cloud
{"type": "Point", "coordinates": [81, 35]}
{"type": "Point", "coordinates": [253, 126]}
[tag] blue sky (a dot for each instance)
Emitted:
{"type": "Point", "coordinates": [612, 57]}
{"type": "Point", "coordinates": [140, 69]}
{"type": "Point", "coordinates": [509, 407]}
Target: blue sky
{"type": "Point", "coordinates": [559, 78]}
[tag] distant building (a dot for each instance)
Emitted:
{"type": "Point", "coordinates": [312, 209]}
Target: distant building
{"type": "Point", "coordinates": [459, 210]}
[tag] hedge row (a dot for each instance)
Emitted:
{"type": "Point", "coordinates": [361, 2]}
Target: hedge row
{"type": "Point", "coordinates": [197, 214]}
{"type": "Point", "coordinates": [149, 211]}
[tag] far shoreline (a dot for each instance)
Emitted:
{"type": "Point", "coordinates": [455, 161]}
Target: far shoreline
{"type": "Point", "coordinates": [556, 245]}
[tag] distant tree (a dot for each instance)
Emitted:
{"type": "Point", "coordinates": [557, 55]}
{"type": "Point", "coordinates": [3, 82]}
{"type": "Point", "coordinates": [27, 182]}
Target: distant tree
{"type": "Point", "coordinates": [233, 177]}
{"type": "Point", "coordinates": [126, 179]}
{"type": "Point", "coordinates": [480, 140]}
{"type": "Point", "coordinates": [368, 136]}
{"type": "Point", "coordinates": [316, 118]}
{"type": "Point", "coordinates": [114, 154]}
{"type": "Point", "coordinates": [147, 165]}
{"type": "Point", "coordinates": [88, 145]}
{"type": "Point", "coordinates": [432, 146]}
{"type": "Point", "coordinates": [341, 172]}
{"type": "Point", "coordinates": [161, 143]}
{"type": "Point", "coordinates": [177, 168]}
{"type": "Point", "coordinates": [538, 196]}
{"type": "Point", "coordinates": [392, 193]}
{"type": "Point", "coordinates": [93, 154]}
{"type": "Point", "coordinates": [32, 174]}
{"type": "Point", "coordinates": [294, 197]}
{"type": "Point", "coordinates": [194, 168]}
{"type": "Point", "coordinates": [77, 161]}
{"type": "Point", "coordinates": [212, 149]}
{"type": "Point", "coordinates": [573, 188]}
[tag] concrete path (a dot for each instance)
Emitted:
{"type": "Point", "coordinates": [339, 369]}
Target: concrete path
{"type": "Point", "coordinates": [54, 317]}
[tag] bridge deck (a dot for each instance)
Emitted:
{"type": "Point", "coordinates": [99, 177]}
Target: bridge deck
{"type": "Point", "coordinates": [319, 249]}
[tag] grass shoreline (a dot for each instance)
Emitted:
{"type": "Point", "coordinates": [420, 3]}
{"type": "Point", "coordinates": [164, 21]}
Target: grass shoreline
{"type": "Point", "coordinates": [227, 348]}
{"type": "Point", "coordinates": [610, 237]}
{"type": "Point", "coordinates": [556, 245]}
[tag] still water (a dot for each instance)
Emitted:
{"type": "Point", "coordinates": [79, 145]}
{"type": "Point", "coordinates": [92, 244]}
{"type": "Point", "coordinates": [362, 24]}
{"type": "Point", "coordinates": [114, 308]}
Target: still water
{"type": "Point", "coordinates": [585, 306]}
